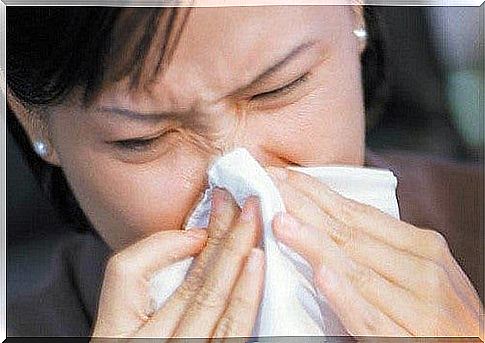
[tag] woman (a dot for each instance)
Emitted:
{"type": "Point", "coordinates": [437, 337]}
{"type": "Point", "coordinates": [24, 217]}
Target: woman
{"type": "Point", "coordinates": [130, 106]}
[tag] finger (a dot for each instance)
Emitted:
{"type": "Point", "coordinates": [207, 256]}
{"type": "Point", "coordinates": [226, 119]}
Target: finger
{"type": "Point", "coordinates": [363, 217]}
{"type": "Point", "coordinates": [240, 315]}
{"type": "Point", "coordinates": [359, 317]}
{"type": "Point", "coordinates": [438, 297]}
{"type": "Point", "coordinates": [164, 322]}
{"type": "Point", "coordinates": [305, 209]}
{"type": "Point", "coordinates": [124, 300]}
{"type": "Point", "coordinates": [159, 250]}
{"type": "Point", "coordinates": [379, 282]}
{"type": "Point", "coordinates": [395, 265]}
{"type": "Point", "coordinates": [433, 321]}
{"type": "Point", "coordinates": [306, 206]}
{"type": "Point", "coordinates": [320, 251]}
{"type": "Point", "coordinates": [224, 211]}
{"type": "Point", "coordinates": [210, 301]}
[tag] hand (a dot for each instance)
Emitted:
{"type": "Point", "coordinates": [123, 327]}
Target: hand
{"type": "Point", "coordinates": [221, 294]}
{"type": "Point", "coordinates": [381, 276]}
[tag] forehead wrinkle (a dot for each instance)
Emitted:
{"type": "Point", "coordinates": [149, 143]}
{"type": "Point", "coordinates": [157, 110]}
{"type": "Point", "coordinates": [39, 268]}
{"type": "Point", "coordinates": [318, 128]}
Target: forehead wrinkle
{"type": "Point", "coordinates": [190, 118]}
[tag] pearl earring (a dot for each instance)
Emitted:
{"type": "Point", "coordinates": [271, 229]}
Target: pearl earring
{"type": "Point", "coordinates": [41, 148]}
{"type": "Point", "coordinates": [360, 33]}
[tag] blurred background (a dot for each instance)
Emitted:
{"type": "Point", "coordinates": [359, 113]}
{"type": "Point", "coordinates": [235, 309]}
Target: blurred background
{"type": "Point", "coordinates": [436, 76]}
{"type": "Point", "coordinates": [433, 103]}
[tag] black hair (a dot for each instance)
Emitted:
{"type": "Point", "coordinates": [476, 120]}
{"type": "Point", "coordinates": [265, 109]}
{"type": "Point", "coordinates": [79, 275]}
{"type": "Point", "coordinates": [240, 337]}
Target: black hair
{"type": "Point", "coordinates": [53, 50]}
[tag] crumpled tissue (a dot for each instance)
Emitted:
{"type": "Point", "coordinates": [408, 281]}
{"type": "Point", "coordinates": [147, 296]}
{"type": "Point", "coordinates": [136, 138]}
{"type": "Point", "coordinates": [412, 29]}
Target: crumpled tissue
{"type": "Point", "coordinates": [290, 305]}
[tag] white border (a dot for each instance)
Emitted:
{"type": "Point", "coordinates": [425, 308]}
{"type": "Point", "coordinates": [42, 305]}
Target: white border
{"type": "Point", "coordinates": [3, 173]}
{"type": "Point", "coordinates": [239, 3]}
{"type": "Point", "coordinates": [198, 3]}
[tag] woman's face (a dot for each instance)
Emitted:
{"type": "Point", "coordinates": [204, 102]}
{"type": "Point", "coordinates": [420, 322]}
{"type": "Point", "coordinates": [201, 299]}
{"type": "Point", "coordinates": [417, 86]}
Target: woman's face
{"type": "Point", "coordinates": [283, 82]}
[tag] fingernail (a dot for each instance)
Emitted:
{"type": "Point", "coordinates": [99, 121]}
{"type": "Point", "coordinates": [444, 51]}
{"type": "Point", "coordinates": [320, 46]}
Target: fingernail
{"type": "Point", "coordinates": [287, 224]}
{"type": "Point", "coordinates": [278, 173]}
{"type": "Point", "coordinates": [255, 260]}
{"type": "Point", "coordinates": [250, 208]}
{"type": "Point", "coordinates": [196, 233]}
{"type": "Point", "coordinates": [219, 198]}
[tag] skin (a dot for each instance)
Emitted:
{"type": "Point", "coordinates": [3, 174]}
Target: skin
{"type": "Point", "coordinates": [221, 294]}
{"type": "Point", "coordinates": [203, 105]}
{"type": "Point", "coordinates": [381, 276]}
{"type": "Point", "coordinates": [129, 195]}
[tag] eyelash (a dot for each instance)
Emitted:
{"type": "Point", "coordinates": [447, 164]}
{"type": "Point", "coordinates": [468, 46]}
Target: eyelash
{"type": "Point", "coordinates": [135, 143]}
{"type": "Point", "coordinates": [286, 89]}
{"type": "Point", "coordinates": [140, 144]}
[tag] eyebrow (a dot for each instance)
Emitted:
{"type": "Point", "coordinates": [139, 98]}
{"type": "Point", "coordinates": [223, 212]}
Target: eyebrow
{"type": "Point", "coordinates": [259, 78]}
{"type": "Point", "coordinates": [278, 65]}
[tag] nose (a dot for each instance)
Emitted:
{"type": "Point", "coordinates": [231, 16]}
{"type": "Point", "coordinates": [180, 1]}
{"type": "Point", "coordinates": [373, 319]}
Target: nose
{"type": "Point", "coordinates": [265, 158]}
{"type": "Point", "coordinates": [254, 139]}
{"type": "Point", "coordinates": [234, 129]}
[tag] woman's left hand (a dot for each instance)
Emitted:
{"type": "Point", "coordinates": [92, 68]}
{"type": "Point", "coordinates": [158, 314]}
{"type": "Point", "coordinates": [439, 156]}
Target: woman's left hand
{"type": "Point", "coordinates": [381, 276]}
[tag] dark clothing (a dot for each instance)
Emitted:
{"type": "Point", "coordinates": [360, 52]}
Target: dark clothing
{"type": "Point", "coordinates": [53, 284]}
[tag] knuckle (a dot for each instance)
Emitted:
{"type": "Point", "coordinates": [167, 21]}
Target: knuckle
{"type": "Point", "coordinates": [232, 246]}
{"type": "Point", "coordinates": [436, 279]}
{"type": "Point", "coordinates": [219, 225]}
{"type": "Point", "coordinates": [233, 324]}
{"type": "Point", "coordinates": [242, 304]}
{"type": "Point", "coordinates": [215, 241]}
{"type": "Point", "coordinates": [343, 235]}
{"type": "Point", "coordinates": [188, 288]}
{"type": "Point", "coordinates": [113, 261]}
{"type": "Point", "coordinates": [361, 278]}
{"type": "Point", "coordinates": [209, 297]}
{"type": "Point", "coordinates": [120, 266]}
{"type": "Point", "coordinates": [195, 278]}
{"type": "Point", "coordinates": [371, 323]}
{"type": "Point", "coordinates": [438, 246]}
{"type": "Point", "coordinates": [348, 209]}
{"type": "Point", "coordinates": [225, 327]}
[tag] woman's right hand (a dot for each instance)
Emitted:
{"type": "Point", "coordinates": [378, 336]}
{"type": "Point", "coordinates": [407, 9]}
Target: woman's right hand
{"type": "Point", "coordinates": [221, 294]}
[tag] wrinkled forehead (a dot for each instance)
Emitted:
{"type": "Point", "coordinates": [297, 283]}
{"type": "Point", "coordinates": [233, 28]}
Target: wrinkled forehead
{"type": "Point", "coordinates": [203, 52]}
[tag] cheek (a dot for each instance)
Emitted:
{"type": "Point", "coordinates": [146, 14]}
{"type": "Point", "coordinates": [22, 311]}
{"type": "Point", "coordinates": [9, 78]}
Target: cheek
{"type": "Point", "coordinates": [139, 203]}
{"type": "Point", "coordinates": [126, 202]}
{"type": "Point", "coordinates": [327, 126]}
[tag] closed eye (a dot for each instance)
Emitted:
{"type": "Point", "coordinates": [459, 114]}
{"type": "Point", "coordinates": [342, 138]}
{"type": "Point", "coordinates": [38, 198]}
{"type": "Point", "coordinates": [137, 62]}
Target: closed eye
{"type": "Point", "coordinates": [141, 143]}
{"type": "Point", "coordinates": [135, 144]}
{"type": "Point", "coordinates": [286, 89]}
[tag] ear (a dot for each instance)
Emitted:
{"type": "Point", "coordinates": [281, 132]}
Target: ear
{"type": "Point", "coordinates": [35, 124]}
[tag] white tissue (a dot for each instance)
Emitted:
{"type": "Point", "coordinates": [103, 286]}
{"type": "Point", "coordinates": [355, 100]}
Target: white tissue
{"type": "Point", "coordinates": [290, 304]}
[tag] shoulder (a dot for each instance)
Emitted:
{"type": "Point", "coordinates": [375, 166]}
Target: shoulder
{"type": "Point", "coordinates": [53, 284]}
{"type": "Point", "coordinates": [444, 195]}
